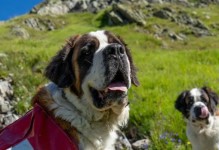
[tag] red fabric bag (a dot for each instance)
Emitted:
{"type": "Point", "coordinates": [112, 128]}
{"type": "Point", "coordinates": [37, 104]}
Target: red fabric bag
{"type": "Point", "coordinates": [35, 130]}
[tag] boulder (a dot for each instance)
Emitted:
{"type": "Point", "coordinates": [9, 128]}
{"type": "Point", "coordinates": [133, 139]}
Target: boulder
{"type": "Point", "coordinates": [123, 14]}
{"type": "Point", "coordinates": [122, 142]}
{"type": "Point", "coordinates": [20, 32]}
{"type": "Point", "coordinates": [143, 144]}
{"type": "Point", "coordinates": [164, 13]}
{"type": "Point", "coordinates": [60, 7]}
{"type": "Point", "coordinates": [40, 24]}
{"type": "Point", "coordinates": [7, 114]}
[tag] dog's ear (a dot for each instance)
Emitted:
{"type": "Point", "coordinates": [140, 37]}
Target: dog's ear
{"type": "Point", "coordinates": [180, 103]}
{"type": "Point", "coordinates": [134, 78]}
{"type": "Point", "coordinates": [60, 69]}
{"type": "Point", "coordinates": [214, 99]}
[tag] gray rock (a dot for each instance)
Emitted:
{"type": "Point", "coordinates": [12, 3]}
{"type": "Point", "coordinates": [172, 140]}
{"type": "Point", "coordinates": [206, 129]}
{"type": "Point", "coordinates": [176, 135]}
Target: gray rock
{"type": "Point", "coordinates": [40, 24]}
{"type": "Point", "coordinates": [175, 37]}
{"type": "Point", "coordinates": [155, 1]}
{"type": "Point", "coordinates": [7, 119]}
{"type": "Point", "coordinates": [4, 106]}
{"type": "Point", "coordinates": [143, 144]}
{"type": "Point", "coordinates": [123, 14]}
{"type": "Point", "coordinates": [114, 18]}
{"type": "Point", "coordinates": [20, 32]}
{"type": "Point", "coordinates": [198, 28]}
{"type": "Point", "coordinates": [165, 13]}
{"type": "Point", "coordinates": [6, 91]}
{"type": "Point", "coordinates": [34, 23]}
{"type": "Point", "coordinates": [7, 114]}
{"type": "Point", "coordinates": [3, 55]}
{"type": "Point", "coordinates": [60, 7]}
{"type": "Point", "coordinates": [122, 142]}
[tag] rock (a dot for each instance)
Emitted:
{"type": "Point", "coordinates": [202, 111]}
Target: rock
{"type": "Point", "coordinates": [165, 13]}
{"type": "Point", "coordinates": [20, 32]}
{"type": "Point", "coordinates": [186, 19]}
{"type": "Point", "coordinates": [143, 144]}
{"type": "Point", "coordinates": [155, 1]}
{"type": "Point", "coordinates": [52, 9]}
{"type": "Point", "coordinates": [34, 23]}
{"type": "Point", "coordinates": [7, 119]}
{"type": "Point", "coordinates": [198, 28]}
{"type": "Point", "coordinates": [7, 114]}
{"type": "Point", "coordinates": [207, 2]}
{"type": "Point", "coordinates": [40, 24]}
{"type": "Point", "coordinates": [114, 18]}
{"type": "Point", "coordinates": [4, 106]}
{"type": "Point", "coordinates": [61, 7]}
{"type": "Point", "coordinates": [6, 91]}
{"type": "Point", "coordinates": [122, 14]}
{"type": "Point", "coordinates": [200, 32]}
{"type": "Point", "coordinates": [3, 55]}
{"type": "Point", "coordinates": [122, 142]}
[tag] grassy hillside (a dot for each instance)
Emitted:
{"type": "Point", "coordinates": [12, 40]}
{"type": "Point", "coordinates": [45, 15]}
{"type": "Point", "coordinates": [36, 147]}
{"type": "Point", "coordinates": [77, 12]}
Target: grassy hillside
{"type": "Point", "coordinates": [164, 71]}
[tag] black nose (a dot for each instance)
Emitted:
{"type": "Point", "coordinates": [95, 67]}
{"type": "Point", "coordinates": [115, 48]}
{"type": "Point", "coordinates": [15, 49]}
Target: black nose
{"type": "Point", "coordinates": [197, 111]}
{"type": "Point", "coordinates": [115, 50]}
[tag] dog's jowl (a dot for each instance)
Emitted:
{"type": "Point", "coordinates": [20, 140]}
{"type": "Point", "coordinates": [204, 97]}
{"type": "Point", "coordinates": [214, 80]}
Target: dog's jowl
{"type": "Point", "coordinates": [198, 106]}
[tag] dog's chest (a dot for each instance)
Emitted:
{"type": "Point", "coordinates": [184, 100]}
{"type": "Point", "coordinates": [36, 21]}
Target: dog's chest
{"type": "Point", "coordinates": [204, 139]}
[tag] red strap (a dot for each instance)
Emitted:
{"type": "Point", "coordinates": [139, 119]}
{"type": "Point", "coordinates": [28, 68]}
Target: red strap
{"type": "Point", "coordinates": [39, 129]}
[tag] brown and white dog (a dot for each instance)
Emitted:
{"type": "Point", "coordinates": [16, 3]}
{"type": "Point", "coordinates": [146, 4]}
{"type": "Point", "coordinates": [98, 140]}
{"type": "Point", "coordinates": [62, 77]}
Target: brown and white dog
{"type": "Point", "coordinates": [90, 78]}
{"type": "Point", "coordinates": [198, 107]}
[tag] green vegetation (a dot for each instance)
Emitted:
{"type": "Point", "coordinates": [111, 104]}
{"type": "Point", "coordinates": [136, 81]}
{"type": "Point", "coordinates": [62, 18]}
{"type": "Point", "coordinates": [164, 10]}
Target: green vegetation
{"type": "Point", "coordinates": [164, 71]}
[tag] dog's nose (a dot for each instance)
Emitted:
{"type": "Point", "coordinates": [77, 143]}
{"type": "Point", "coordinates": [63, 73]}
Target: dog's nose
{"type": "Point", "coordinates": [197, 111]}
{"type": "Point", "coordinates": [115, 50]}
{"type": "Point", "coordinates": [201, 111]}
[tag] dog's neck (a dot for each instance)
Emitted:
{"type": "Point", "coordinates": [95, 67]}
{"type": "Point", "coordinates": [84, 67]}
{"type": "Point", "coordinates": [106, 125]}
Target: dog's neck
{"type": "Point", "coordinates": [201, 126]}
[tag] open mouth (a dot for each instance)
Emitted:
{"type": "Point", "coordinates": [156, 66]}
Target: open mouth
{"type": "Point", "coordinates": [115, 91]}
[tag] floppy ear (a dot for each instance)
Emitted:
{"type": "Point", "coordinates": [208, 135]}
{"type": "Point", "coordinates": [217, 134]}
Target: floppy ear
{"type": "Point", "coordinates": [214, 99]}
{"type": "Point", "coordinates": [134, 78]}
{"type": "Point", "coordinates": [60, 69]}
{"type": "Point", "coordinates": [180, 103]}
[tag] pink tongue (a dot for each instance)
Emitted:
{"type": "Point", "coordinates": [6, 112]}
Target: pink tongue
{"type": "Point", "coordinates": [204, 112]}
{"type": "Point", "coordinates": [118, 86]}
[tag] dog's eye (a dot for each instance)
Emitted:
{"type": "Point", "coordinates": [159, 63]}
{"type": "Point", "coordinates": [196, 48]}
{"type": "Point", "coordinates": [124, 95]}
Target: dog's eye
{"type": "Point", "coordinates": [85, 50]}
{"type": "Point", "coordinates": [191, 100]}
{"type": "Point", "coordinates": [203, 100]}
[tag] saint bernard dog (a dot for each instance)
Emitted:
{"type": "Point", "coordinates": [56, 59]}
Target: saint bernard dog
{"type": "Point", "coordinates": [90, 77]}
{"type": "Point", "coordinates": [198, 107]}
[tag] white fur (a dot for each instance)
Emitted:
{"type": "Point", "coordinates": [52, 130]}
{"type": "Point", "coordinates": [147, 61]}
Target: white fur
{"type": "Point", "coordinates": [204, 137]}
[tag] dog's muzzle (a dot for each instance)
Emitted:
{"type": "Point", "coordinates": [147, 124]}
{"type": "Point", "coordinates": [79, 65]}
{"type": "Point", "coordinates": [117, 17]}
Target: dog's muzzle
{"type": "Point", "coordinates": [201, 112]}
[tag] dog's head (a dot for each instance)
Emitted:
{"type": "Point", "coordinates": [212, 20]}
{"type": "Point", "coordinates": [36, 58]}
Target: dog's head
{"type": "Point", "coordinates": [96, 66]}
{"type": "Point", "coordinates": [197, 104]}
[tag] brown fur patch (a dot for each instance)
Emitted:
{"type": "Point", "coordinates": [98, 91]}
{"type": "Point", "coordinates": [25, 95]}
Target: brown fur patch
{"type": "Point", "coordinates": [217, 113]}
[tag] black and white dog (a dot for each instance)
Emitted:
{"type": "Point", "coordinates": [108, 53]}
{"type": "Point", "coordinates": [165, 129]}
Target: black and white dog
{"type": "Point", "coordinates": [198, 107]}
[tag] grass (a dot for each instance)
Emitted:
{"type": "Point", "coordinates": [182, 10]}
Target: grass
{"type": "Point", "coordinates": [163, 72]}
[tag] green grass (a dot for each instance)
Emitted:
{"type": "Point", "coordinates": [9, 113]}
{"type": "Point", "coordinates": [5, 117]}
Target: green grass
{"type": "Point", "coordinates": [163, 72]}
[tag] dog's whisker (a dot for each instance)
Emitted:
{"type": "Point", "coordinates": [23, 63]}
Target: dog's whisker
{"type": "Point", "coordinates": [88, 61]}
